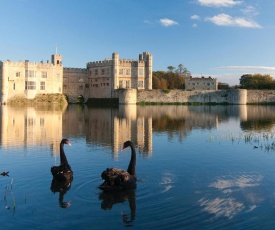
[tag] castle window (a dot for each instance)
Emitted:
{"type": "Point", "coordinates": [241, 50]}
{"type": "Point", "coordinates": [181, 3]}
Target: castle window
{"type": "Point", "coordinates": [127, 72]}
{"type": "Point", "coordinates": [102, 71]}
{"type": "Point", "coordinates": [120, 71]}
{"type": "Point", "coordinates": [30, 73]}
{"type": "Point", "coordinates": [96, 72]}
{"type": "Point", "coordinates": [107, 84]}
{"type": "Point", "coordinates": [44, 74]}
{"type": "Point", "coordinates": [120, 84]}
{"type": "Point", "coordinates": [128, 84]}
{"type": "Point", "coordinates": [13, 86]}
{"type": "Point", "coordinates": [30, 85]}
{"type": "Point", "coordinates": [108, 71]}
{"type": "Point", "coordinates": [140, 84]}
{"type": "Point", "coordinates": [140, 72]}
{"type": "Point", "coordinates": [17, 74]}
{"type": "Point", "coordinates": [42, 85]}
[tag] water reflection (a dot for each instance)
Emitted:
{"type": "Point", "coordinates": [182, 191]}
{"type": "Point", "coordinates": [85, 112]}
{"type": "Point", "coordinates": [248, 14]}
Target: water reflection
{"type": "Point", "coordinates": [61, 187]}
{"type": "Point", "coordinates": [34, 126]}
{"type": "Point", "coordinates": [112, 198]}
{"type": "Point", "coordinates": [236, 193]}
{"type": "Point", "coordinates": [259, 118]}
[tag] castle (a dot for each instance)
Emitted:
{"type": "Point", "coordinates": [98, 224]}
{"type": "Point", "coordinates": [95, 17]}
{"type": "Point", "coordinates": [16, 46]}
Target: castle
{"type": "Point", "coordinates": [99, 79]}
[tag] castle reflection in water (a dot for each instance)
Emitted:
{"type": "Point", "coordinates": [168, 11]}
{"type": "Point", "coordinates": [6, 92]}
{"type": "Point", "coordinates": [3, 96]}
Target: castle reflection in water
{"type": "Point", "coordinates": [34, 126]}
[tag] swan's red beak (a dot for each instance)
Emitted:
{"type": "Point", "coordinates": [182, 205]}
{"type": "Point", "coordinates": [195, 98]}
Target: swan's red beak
{"type": "Point", "coordinates": [68, 143]}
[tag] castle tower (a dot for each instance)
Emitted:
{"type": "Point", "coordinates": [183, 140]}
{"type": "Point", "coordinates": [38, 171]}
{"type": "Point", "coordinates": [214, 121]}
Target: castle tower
{"type": "Point", "coordinates": [148, 59]}
{"type": "Point", "coordinates": [115, 58]}
{"type": "Point", "coordinates": [57, 59]}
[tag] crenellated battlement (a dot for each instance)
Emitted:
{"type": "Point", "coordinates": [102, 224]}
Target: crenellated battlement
{"type": "Point", "coordinates": [29, 64]}
{"type": "Point", "coordinates": [74, 70]}
{"type": "Point", "coordinates": [100, 63]}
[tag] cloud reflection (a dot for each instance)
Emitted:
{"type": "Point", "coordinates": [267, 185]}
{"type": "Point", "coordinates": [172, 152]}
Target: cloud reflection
{"type": "Point", "coordinates": [233, 195]}
{"type": "Point", "coordinates": [167, 181]}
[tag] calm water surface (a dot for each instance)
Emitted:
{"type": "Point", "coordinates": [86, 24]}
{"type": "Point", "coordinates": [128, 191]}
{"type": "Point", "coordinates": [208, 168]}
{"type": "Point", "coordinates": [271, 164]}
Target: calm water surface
{"type": "Point", "coordinates": [198, 167]}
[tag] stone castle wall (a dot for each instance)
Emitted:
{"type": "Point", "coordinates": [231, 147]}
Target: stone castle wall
{"type": "Point", "coordinates": [232, 96]}
{"type": "Point", "coordinates": [260, 96]}
{"type": "Point", "coordinates": [75, 84]}
{"type": "Point", "coordinates": [181, 96]}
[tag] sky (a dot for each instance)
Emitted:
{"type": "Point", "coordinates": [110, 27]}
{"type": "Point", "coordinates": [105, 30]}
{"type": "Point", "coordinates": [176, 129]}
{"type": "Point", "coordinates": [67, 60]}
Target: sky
{"type": "Point", "coordinates": [223, 39]}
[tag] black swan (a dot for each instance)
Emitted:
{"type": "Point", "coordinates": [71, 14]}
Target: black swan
{"type": "Point", "coordinates": [63, 172]}
{"type": "Point", "coordinates": [118, 179]}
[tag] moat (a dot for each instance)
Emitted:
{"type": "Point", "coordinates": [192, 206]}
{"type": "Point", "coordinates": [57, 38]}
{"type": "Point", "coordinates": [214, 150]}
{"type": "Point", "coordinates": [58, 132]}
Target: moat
{"type": "Point", "coordinates": [198, 167]}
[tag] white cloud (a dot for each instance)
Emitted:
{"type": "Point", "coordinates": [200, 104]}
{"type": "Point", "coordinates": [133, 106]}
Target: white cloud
{"type": "Point", "coordinates": [227, 20]}
{"type": "Point", "coordinates": [219, 3]}
{"type": "Point", "coordinates": [167, 22]}
{"type": "Point", "coordinates": [194, 25]}
{"type": "Point", "coordinates": [250, 11]}
{"type": "Point", "coordinates": [195, 17]}
{"type": "Point", "coordinates": [248, 68]}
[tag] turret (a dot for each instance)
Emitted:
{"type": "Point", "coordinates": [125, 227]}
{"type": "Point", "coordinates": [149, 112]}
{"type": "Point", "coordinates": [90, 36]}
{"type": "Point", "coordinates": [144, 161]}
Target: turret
{"type": "Point", "coordinates": [57, 59]}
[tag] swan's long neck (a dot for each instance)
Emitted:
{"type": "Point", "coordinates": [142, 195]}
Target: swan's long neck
{"type": "Point", "coordinates": [63, 158]}
{"type": "Point", "coordinates": [132, 165]}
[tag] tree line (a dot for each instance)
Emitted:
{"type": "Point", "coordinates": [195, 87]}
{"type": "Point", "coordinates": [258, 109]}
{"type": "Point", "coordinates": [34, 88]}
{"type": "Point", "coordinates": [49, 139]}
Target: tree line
{"type": "Point", "coordinates": [257, 81]}
{"type": "Point", "coordinates": [174, 78]}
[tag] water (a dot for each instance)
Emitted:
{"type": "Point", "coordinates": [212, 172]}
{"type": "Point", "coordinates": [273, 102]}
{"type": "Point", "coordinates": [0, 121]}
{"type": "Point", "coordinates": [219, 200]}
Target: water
{"type": "Point", "coordinates": [198, 167]}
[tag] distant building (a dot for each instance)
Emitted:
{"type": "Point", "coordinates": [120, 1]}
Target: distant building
{"type": "Point", "coordinates": [223, 86]}
{"type": "Point", "coordinates": [203, 83]}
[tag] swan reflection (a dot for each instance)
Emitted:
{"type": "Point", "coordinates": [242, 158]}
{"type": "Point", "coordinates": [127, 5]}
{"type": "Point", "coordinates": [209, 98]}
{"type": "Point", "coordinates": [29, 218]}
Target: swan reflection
{"type": "Point", "coordinates": [62, 188]}
{"type": "Point", "coordinates": [111, 198]}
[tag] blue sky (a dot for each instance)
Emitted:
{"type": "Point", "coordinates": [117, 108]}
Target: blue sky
{"type": "Point", "coordinates": [218, 38]}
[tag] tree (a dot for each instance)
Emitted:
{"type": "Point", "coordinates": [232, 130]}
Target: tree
{"type": "Point", "coordinates": [183, 71]}
{"type": "Point", "coordinates": [180, 69]}
{"type": "Point", "coordinates": [171, 68]}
